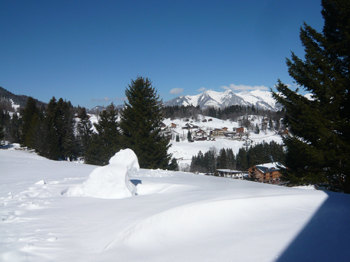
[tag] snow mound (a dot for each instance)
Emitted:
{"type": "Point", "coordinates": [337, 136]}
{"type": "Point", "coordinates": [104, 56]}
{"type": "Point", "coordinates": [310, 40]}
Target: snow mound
{"type": "Point", "coordinates": [111, 181]}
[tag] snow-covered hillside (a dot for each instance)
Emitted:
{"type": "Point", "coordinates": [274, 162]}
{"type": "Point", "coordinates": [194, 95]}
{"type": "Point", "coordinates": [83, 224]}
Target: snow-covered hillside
{"type": "Point", "coordinates": [258, 98]}
{"type": "Point", "coordinates": [176, 216]}
{"type": "Point", "coordinates": [183, 150]}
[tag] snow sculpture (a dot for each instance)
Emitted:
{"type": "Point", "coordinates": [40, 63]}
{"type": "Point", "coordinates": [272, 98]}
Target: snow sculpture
{"type": "Point", "coordinates": [111, 181]}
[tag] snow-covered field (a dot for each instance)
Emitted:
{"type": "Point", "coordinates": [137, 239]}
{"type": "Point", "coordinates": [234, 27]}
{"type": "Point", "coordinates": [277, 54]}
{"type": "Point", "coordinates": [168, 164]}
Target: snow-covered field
{"type": "Point", "coordinates": [175, 216]}
{"type": "Point", "coordinates": [184, 150]}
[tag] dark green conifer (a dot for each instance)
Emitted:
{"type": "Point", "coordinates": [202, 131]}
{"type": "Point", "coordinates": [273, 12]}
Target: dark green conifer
{"type": "Point", "coordinates": [242, 162]}
{"type": "Point", "coordinates": [141, 122]}
{"type": "Point", "coordinates": [106, 142]}
{"type": "Point", "coordinates": [84, 129]}
{"type": "Point", "coordinates": [30, 121]}
{"type": "Point", "coordinates": [2, 133]}
{"type": "Point", "coordinates": [222, 159]}
{"type": "Point", "coordinates": [320, 143]}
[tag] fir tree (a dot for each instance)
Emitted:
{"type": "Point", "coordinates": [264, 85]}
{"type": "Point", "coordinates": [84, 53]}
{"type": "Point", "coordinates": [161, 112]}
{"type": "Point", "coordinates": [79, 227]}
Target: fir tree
{"type": "Point", "coordinates": [15, 129]}
{"type": "Point", "coordinates": [141, 122]}
{"type": "Point", "coordinates": [222, 159]}
{"type": "Point", "coordinates": [84, 129]}
{"type": "Point", "coordinates": [30, 121]}
{"type": "Point", "coordinates": [189, 136]}
{"type": "Point", "coordinates": [319, 147]}
{"type": "Point", "coordinates": [58, 131]}
{"type": "Point", "coordinates": [2, 133]}
{"type": "Point", "coordinates": [173, 165]}
{"type": "Point", "coordinates": [106, 142]}
{"type": "Point", "coordinates": [231, 160]}
{"type": "Point", "coordinates": [242, 162]}
{"type": "Point", "coordinates": [52, 149]}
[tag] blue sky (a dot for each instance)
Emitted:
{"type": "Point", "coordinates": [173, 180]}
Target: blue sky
{"type": "Point", "coordinates": [87, 52]}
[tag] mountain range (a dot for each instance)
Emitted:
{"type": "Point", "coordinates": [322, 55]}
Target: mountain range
{"type": "Point", "coordinates": [259, 99]}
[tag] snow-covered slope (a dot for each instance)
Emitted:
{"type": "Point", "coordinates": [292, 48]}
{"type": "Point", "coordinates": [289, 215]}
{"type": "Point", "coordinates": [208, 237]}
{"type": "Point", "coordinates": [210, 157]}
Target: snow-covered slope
{"type": "Point", "coordinates": [258, 98]}
{"type": "Point", "coordinates": [176, 216]}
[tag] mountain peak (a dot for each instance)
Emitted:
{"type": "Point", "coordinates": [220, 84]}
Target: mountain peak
{"type": "Point", "coordinates": [258, 98]}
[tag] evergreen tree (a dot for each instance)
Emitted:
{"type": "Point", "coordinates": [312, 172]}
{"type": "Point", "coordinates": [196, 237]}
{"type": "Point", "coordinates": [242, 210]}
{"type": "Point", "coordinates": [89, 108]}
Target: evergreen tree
{"type": "Point", "coordinates": [84, 129]}
{"type": "Point", "coordinates": [30, 121]}
{"type": "Point", "coordinates": [209, 161]}
{"type": "Point", "coordinates": [319, 147]}
{"type": "Point", "coordinates": [106, 142]}
{"type": "Point", "coordinates": [58, 131]}
{"type": "Point", "coordinates": [5, 125]}
{"type": "Point", "coordinates": [173, 165]}
{"type": "Point", "coordinates": [222, 159]}
{"type": "Point", "coordinates": [141, 122]}
{"type": "Point", "coordinates": [242, 163]}
{"type": "Point", "coordinates": [52, 149]}
{"type": "Point", "coordinates": [15, 129]}
{"type": "Point", "coordinates": [257, 129]}
{"type": "Point", "coordinates": [2, 133]}
{"type": "Point", "coordinates": [231, 160]}
{"type": "Point", "coordinates": [189, 136]}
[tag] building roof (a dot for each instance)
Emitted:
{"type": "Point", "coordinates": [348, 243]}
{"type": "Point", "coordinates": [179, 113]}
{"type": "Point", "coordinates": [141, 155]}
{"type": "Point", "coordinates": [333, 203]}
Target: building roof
{"type": "Point", "coordinates": [269, 167]}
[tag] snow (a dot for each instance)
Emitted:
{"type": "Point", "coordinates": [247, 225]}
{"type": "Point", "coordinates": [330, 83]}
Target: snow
{"type": "Point", "coordinates": [175, 216]}
{"type": "Point", "coordinates": [14, 105]}
{"type": "Point", "coordinates": [111, 181]}
{"type": "Point", "coordinates": [184, 150]}
{"type": "Point", "coordinates": [258, 98]}
{"type": "Point", "coordinates": [308, 187]}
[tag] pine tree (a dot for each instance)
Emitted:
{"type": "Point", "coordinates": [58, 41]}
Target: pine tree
{"type": "Point", "coordinates": [52, 149]}
{"type": "Point", "coordinates": [242, 162]}
{"type": "Point", "coordinates": [15, 129]}
{"type": "Point", "coordinates": [141, 122]}
{"type": "Point", "coordinates": [106, 142]}
{"type": "Point", "coordinates": [222, 159]}
{"type": "Point", "coordinates": [84, 129]}
{"type": "Point", "coordinates": [189, 136]}
{"type": "Point", "coordinates": [173, 165]}
{"type": "Point", "coordinates": [319, 147]}
{"type": "Point", "coordinates": [30, 121]}
{"type": "Point", "coordinates": [2, 133]}
{"type": "Point", "coordinates": [58, 131]}
{"type": "Point", "coordinates": [231, 160]}
{"type": "Point", "coordinates": [257, 129]}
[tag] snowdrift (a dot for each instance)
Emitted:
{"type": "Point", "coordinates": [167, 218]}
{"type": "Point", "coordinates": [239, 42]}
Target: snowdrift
{"type": "Point", "coordinates": [175, 216]}
{"type": "Point", "coordinates": [111, 181]}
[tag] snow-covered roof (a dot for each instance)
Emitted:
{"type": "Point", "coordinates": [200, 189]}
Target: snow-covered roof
{"type": "Point", "coordinates": [268, 167]}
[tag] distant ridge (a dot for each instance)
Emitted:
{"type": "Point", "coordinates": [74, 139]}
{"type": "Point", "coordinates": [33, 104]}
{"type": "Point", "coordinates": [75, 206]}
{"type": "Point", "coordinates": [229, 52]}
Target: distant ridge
{"type": "Point", "coordinates": [20, 100]}
{"type": "Point", "coordinates": [259, 99]}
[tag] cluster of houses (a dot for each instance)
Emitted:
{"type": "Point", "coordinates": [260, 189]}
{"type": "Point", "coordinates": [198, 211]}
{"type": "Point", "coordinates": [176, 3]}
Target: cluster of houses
{"type": "Point", "coordinates": [201, 135]}
{"type": "Point", "coordinates": [266, 173]}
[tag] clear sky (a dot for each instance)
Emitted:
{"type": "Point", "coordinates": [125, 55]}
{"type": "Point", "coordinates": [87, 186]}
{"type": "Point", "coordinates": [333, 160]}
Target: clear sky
{"type": "Point", "coordinates": [87, 52]}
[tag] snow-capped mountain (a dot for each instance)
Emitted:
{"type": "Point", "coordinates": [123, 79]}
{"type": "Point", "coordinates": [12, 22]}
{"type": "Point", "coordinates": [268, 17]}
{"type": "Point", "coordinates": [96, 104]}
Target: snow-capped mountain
{"type": "Point", "coordinates": [257, 98]}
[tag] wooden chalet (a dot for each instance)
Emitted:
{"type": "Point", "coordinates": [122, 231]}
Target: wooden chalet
{"type": "Point", "coordinates": [240, 130]}
{"type": "Point", "coordinates": [267, 173]}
